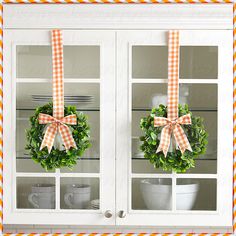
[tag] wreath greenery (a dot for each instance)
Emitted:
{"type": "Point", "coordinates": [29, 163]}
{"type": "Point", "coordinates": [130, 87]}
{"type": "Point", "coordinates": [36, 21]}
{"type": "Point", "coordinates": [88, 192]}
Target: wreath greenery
{"type": "Point", "coordinates": [175, 160]}
{"type": "Point", "coordinates": [57, 158]}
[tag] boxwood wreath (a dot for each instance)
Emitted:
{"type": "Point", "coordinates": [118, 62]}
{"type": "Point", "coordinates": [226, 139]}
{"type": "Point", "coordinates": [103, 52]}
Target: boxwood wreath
{"type": "Point", "coordinates": [57, 158]}
{"type": "Point", "coordinates": [175, 160]}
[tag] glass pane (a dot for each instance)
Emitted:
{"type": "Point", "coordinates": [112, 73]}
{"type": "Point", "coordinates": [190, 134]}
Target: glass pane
{"type": "Point", "coordinates": [151, 194]}
{"type": "Point", "coordinates": [79, 61]}
{"type": "Point", "coordinates": [23, 161]}
{"type": "Point", "coordinates": [146, 96]}
{"type": "Point", "coordinates": [90, 161]}
{"type": "Point", "coordinates": [80, 193]}
{"type": "Point", "coordinates": [149, 61]}
{"type": "Point", "coordinates": [203, 166]}
{"type": "Point", "coordinates": [207, 163]}
{"type": "Point", "coordinates": [84, 165]}
{"type": "Point", "coordinates": [26, 104]}
{"type": "Point", "coordinates": [35, 192]}
{"type": "Point", "coordinates": [144, 166]}
{"type": "Point", "coordinates": [139, 163]}
{"type": "Point", "coordinates": [84, 96]}
{"type": "Point", "coordinates": [196, 194]}
{"type": "Point", "coordinates": [196, 62]}
{"type": "Point", "coordinates": [199, 62]}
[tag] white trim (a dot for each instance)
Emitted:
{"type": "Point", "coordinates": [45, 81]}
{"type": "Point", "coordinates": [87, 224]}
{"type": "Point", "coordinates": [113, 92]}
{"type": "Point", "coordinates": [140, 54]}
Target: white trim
{"type": "Point", "coordinates": [58, 210]}
{"type": "Point", "coordinates": [65, 175]}
{"type": "Point", "coordinates": [181, 81]}
{"type": "Point", "coordinates": [58, 187]}
{"type": "Point", "coordinates": [64, 218]}
{"type": "Point", "coordinates": [174, 212]}
{"type": "Point", "coordinates": [223, 214]}
{"type": "Point", "coordinates": [66, 80]}
{"type": "Point", "coordinates": [106, 41]}
{"type": "Point", "coordinates": [173, 193]}
{"type": "Point", "coordinates": [115, 16]}
{"type": "Point", "coordinates": [177, 176]}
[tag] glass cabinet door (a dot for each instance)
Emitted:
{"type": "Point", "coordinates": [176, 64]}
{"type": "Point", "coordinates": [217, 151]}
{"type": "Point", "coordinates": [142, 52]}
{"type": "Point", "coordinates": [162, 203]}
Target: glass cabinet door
{"type": "Point", "coordinates": [86, 190]}
{"type": "Point", "coordinates": [167, 197]}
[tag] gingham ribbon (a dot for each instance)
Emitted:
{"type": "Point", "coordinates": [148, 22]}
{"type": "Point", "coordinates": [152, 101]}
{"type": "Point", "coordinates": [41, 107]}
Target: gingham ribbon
{"type": "Point", "coordinates": [172, 124]}
{"type": "Point", "coordinates": [57, 122]}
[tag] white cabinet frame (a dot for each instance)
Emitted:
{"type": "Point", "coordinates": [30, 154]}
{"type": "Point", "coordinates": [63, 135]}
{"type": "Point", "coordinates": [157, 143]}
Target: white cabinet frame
{"type": "Point", "coordinates": [106, 41]}
{"type": "Point", "coordinates": [115, 171]}
{"type": "Point", "coordinates": [223, 215]}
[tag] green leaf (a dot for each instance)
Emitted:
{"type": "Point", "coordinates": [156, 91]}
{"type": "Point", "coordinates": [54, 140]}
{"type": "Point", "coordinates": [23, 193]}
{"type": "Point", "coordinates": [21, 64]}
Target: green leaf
{"type": "Point", "coordinates": [153, 135]}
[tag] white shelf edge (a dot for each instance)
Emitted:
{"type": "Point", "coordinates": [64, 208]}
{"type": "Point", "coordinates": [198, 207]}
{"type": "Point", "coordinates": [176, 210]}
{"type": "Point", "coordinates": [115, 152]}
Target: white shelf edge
{"type": "Point", "coordinates": [42, 174]}
{"type": "Point", "coordinates": [38, 174]}
{"type": "Point", "coordinates": [25, 210]}
{"type": "Point", "coordinates": [82, 175]}
{"type": "Point", "coordinates": [133, 81]}
{"type": "Point", "coordinates": [58, 188]}
{"type": "Point", "coordinates": [181, 81]}
{"type": "Point", "coordinates": [178, 176]}
{"type": "Point", "coordinates": [22, 118]}
{"type": "Point", "coordinates": [153, 16]}
{"type": "Point", "coordinates": [66, 80]}
{"type": "Point", "coordinates": [177, 212]}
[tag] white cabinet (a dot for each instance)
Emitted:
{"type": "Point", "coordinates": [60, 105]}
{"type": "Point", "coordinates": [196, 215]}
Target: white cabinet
{"type": "Point", "coordinates": [121, 71]}
{"type": "Point", "coordinates": [89, 71]}
{"type": "Point", "coordinates": [206, 86]}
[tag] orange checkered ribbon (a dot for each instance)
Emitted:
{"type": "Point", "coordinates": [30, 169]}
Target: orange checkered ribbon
{"type": "Point", "coordinates": [172, 124]}
{"type": "Point", "coordinates": [57, 122]}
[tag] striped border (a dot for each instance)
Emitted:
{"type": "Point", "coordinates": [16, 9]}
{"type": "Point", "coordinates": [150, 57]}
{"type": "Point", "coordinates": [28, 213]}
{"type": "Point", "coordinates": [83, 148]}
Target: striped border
{"type": "Point", "coordinates": [234, 118]}
{"type": "Point", "coordinates": [116, 2]}
{"type": "Point", "coordinates": [120, 234]}
{"type": "Point", "coordinates": [1, 118]}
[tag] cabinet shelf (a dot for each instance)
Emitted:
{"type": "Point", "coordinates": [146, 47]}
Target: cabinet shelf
{"type": "Point", "coordinates": [97, 159]}
{"type": "Point", "coordinates": [134, 109]}
{"type": "Point", "coordinates": [86, 109]}
{"type": "Point", "coordinates": [197, 159]}
{"type": "Point", "coordinates": [191, 109]}
{"type": "Point", "coordinates": [82, 159]}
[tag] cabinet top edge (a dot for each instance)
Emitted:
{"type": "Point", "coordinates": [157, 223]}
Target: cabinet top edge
{"type": "Point", "coordinates": [123, 16]}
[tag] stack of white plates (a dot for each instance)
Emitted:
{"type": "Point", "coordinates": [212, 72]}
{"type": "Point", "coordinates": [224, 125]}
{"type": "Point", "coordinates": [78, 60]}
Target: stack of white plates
{"type": "Point", "coordinates": [72, 99]}
{"type": "Point", "coordinates": [95, 205]}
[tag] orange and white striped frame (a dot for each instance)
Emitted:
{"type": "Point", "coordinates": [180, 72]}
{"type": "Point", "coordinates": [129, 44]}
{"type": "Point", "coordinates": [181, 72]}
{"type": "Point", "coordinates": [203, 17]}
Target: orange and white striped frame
{"type": "Point", "coordinates": [118, 2]}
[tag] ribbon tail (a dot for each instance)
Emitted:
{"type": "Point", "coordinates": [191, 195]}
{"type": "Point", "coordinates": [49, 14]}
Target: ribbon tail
{"type": "Point", "coordinates": [181, 139]}
{"type": "Point", "coordinates": [67, 137]}
{"type": "Point", "coordinates": [165, 140]}
{"type": "Point", "coordinates": [49, 137]}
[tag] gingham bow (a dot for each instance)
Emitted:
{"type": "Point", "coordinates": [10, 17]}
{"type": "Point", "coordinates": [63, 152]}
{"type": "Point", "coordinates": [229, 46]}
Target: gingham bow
{"type": "Point", "coordinates": [57, 121]}
{"type": "Point", "coordinates": [57, 125]}
{"type": "Point", "coordinates": [172, 124]}
{"type": "Point", "coordinates": [178, 132]}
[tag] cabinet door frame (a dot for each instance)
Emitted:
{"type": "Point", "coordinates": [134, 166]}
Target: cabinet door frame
{"type": "Point", "coordinates": [223, 215]}
{"type": "Point", "coordinates": [106, 41]}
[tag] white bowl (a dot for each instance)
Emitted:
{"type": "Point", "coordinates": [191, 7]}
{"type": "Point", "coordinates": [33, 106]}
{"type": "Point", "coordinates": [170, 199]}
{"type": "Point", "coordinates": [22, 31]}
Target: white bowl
{"type": "Point", "coordinates": [157, 194]}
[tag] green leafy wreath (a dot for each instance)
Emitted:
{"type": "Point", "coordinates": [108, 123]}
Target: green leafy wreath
{"type": "Point", "coordinates": [175, 160]}
{"type": "Point", "coordinates": [57, 158]}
